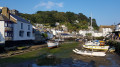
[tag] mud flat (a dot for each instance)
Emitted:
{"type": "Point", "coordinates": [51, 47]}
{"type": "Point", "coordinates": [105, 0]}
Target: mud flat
{"type": "Point", "coordinates": [64, 57]}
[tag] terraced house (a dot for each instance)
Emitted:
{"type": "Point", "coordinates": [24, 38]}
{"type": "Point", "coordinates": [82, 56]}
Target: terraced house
{"type": "Point", "coordinates": [14, 28]}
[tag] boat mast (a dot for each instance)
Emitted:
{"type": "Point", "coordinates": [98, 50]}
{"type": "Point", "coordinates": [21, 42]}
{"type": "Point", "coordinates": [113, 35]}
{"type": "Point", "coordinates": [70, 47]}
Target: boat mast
{"type": "Point", "coordinates": [91, 31]}
{"type": "Point", "coordinates": [91, 23]}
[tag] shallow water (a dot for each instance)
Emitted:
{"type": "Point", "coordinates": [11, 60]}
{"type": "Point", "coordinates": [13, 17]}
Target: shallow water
{"type": "Point", "coordinates": [63, 63]}
{"type": "Point", "coordinates": [67, 62]}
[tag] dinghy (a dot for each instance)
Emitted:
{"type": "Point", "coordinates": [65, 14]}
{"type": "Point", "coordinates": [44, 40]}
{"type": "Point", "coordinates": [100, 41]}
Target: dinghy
{"type": "Point", "coordinates": [90, 53]}
{"type": "Point", "coordinates": [52, 44]}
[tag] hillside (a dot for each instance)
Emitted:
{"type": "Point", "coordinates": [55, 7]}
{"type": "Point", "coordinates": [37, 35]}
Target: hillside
{"type": "Point", "coordinates": [68, 19]}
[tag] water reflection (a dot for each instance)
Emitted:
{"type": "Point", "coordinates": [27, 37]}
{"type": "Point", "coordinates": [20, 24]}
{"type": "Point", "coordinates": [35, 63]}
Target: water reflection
{"type": "Point", "coordinates": [49, 60]}
{"type": "Point", "coordinates": [55, 62]}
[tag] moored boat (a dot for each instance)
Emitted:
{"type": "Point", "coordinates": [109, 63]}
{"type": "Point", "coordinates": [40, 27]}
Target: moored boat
{"type": "Point", "coordinates": [96, 47]}
{"type": "Point", "coordinates": [52, 44]}
{"type": "Point", "coordinates": [59, 40]}
{"type": "Point", "coordinates": [90, 53]}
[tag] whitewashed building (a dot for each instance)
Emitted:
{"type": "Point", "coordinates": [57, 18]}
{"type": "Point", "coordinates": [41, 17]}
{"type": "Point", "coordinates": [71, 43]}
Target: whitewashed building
{"type": "Point", "coordinates": [22, 29]}
{"type": "Point", "coordinates": [117, 28]}
{"type": "Point", "coordinates": [105, 30]}
{"type": "Point", "coordinates": [14, 28]}
{"type": "Point", "coordinates": [50, 35]}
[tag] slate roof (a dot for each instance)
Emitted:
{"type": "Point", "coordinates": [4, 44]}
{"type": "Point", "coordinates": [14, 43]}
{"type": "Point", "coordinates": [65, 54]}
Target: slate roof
{"type": "Point", "coordinates": [3, 18]}
{"type": "Point", "coordinates": [19, 18]}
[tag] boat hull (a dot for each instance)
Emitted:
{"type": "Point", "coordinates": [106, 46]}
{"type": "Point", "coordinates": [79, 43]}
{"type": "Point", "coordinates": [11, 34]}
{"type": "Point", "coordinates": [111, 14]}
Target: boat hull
{"type": "Point", "coordinates": [96, 47]}
{"type": "Point", "coordinates": [52, 45]}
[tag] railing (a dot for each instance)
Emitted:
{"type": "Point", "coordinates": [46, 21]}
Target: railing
{"type": "Point", "coordinates": [8, 29]}
{"type": "Point", "coordinates": [8, 38]}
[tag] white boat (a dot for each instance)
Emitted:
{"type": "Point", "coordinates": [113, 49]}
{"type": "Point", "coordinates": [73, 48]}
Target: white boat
{"type": "Point", "coordinates": [96, 47]}
{"type": "Point", "coordinates": [96, 44]}
{"type": "Point", "coordinates": [90, 53]}
{"type": "Point", "coordinates": [52, 44]}
{"type": "Point", "coordinates": [59, 40]}
{"type": "Point", "coordinates": [93, 43]}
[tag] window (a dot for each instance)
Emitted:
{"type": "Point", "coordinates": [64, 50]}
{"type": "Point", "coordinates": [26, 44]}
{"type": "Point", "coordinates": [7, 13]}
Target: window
{"type": "Point", "coordinates": [6, 24]}
{"type": "Point", "coordinates": [21, 25]}
{"type": "Point", "coordinates": [28, 27]}
{"type": "Point", "coordinates": [28, 34]}
{"type": "Point", "coordinates": [21, 33]}
{"type": "Point", "coordinates": [6, 34]}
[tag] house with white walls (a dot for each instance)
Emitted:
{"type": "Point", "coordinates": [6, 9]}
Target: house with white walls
{"type": "Point", "coordinates": [117, 28]}
{"type": "Point", "coordinates": [6, 27]}
{"type": "Point", "coordinates": [22, 29]}
{"type": "Point", "coordinates": [105, 30]}
{"type": "Point", "coordinates": [14, 28]}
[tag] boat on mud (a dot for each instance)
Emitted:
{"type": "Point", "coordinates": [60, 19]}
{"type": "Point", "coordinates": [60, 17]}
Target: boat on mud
{"type": "Point", "coordinates": [59, 40]}
{"type": "Point", "coordinates": [52, 44]}
{"type": "Point", "coordinates": [91, 43]}
{"type": "Point", "coordinates": [96, 45]}
{"type": "Point", "coordinates": [90, 53]}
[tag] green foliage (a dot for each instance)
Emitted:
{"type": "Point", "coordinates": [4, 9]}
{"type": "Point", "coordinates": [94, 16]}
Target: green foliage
{"type": "Point", "coordinates": [68, 19]}
{"type": "Point", "coordinates": [44, 35]}
{"type": "Point", "coordinates": [88, 34]}
{"type": "Point", "coordinates": [99, 38]}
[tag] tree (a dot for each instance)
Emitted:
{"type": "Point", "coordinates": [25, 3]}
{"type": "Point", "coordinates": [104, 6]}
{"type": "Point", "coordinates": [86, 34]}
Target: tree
{"type": "Point", "coordinates": [68, 19]}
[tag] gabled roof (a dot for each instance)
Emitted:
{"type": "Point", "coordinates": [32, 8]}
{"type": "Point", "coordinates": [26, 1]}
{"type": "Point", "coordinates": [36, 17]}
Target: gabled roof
{"type": "Point", "coordinates": [101, 26]}
{"type": "Point", "coordinates": [19, 18]}
{"type": "Point", "coordinates": [3, 18]}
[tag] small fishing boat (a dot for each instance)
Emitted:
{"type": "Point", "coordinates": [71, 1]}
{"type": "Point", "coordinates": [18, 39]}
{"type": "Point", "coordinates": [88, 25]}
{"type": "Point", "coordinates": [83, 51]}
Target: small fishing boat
{"type": "Point", "coordinates": [59, 40]}
{"type": "Point", "coordinates": [95, 43]}
{"type": "Point", "coordinates": [52, 44]}
{"type": "Point", "coordinates": [90, 53]}
{"type": "Point", "coordinates": [96, 47]}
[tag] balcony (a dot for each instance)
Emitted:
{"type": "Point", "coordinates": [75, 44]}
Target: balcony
{"type": "Point", "coordinates": [8, 29]}
{"type": "Point", "coordinates": [8, 38]}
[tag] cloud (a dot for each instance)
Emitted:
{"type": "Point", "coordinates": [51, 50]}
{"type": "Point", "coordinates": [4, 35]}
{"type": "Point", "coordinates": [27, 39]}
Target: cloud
{"type": "Point", "coordinates": [49, 5]}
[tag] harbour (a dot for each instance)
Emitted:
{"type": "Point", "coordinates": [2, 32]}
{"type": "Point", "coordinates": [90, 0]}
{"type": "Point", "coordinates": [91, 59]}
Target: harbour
{"type": "Point", "coordinates": [63, 55]}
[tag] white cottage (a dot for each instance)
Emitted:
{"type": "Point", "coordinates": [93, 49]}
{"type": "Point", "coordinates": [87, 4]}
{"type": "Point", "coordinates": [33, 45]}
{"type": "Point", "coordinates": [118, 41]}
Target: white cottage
{"type": "Point", "coordinates": [105, 30]}
{"type": "Point", "coordinates": [117, 27]}
{"type": "Point", "coordinates": [14, 28]}
{"type": "Point", "coordinates": [22, 29]}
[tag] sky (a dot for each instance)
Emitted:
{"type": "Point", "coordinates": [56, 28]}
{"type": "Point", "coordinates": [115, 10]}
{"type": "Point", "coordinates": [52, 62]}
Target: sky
{"type": "Point", "coordinates": [106, 12]}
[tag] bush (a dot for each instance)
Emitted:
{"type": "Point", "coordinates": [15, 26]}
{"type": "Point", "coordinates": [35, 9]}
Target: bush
{"type": "Point", "coordinates": [44, 35]}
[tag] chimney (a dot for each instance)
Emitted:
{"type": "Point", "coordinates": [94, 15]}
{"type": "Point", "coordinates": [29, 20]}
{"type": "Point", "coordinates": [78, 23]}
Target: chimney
{"type": "Point", "coordinates": [15, 12]}
{"type": "Point", "coordinates": [6, 12]}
